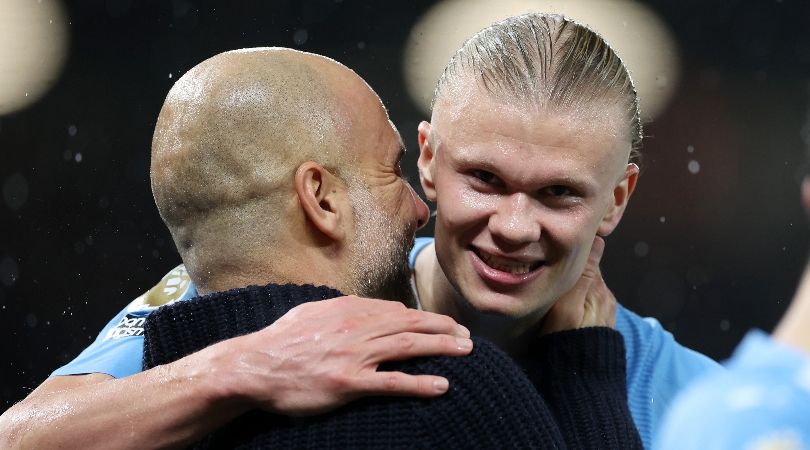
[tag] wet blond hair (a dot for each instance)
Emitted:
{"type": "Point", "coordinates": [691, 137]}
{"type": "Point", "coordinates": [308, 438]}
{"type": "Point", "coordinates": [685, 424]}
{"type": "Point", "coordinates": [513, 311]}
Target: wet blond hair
{"type": "Point", "coordinates": [549, 61]}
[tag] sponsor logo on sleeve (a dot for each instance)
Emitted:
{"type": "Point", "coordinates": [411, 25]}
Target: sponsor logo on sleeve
{"type": "Point", "coordinates": [130, 325]}
{"type": "Point", "coordinates": [173, 287]}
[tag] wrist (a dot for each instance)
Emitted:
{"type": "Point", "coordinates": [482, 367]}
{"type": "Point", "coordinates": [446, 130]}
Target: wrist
{"type": "Point", "coordinates": [210, 382]}
{"type": "Point", "coordinates": [594, 352]}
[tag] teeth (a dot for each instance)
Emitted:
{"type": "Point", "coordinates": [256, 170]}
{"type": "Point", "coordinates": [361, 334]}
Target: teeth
{"type": "Point", "coordinates": [506, 265]}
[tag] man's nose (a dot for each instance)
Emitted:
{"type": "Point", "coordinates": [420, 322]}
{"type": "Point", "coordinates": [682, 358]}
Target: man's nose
{"type": "Point", "coordinates": [514, 220]}
{"type": "Point", "coordinates": [422, 212]}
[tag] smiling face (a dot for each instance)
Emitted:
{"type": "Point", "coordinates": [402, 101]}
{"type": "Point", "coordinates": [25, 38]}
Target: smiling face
{"type": "Point", "coordinates": [520, 196]}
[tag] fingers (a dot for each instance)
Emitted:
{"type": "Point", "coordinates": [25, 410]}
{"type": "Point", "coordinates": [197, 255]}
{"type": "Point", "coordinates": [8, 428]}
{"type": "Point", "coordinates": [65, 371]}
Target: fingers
{"type": "Point", "coordinates": [411, 345]}
{"type": "Point", "coordinates": [594, 258]}
{"type": "Point", "coordinates": [389, 317]}
{"type": "Point", "coordinates": [587, 303]}
{"type": "Point", "coordinates": [603, 303]}
{"type": "Point", "coordinates": [412, 320]}
{"type": "Point", "coordinates": [402, 384]}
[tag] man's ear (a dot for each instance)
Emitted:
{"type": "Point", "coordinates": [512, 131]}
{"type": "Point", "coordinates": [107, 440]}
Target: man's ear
{"type": "Point", "coordinates": [322, 197]}
{"type": "Point", "coordinates": [621, 195]}
{"type": "Point", "coordinates": [425, 162]}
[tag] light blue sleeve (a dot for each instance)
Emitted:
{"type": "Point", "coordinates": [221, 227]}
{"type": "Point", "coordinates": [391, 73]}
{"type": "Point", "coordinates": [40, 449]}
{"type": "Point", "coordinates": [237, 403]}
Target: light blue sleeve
{"type": "Point", "coordinates": [118, 350]}
{"type": "Point", "coordinates": [418, 245]}
{"type": "Point", "coordinates": [657, 369]}
{"type": "Point", "coordinates": [762, 402]}
{"type": "Point", "coordinates": [113, 352]}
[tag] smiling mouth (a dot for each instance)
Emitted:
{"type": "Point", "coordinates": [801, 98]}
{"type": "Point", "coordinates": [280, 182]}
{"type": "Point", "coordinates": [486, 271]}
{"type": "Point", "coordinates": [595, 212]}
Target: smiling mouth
{"type": "Point", "coordinates": [508, 265]}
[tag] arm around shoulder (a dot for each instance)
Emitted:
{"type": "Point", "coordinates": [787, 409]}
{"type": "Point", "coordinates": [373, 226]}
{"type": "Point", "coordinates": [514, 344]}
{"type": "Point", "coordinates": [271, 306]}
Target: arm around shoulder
{"type": "Point", "coordinates": [165, 407]}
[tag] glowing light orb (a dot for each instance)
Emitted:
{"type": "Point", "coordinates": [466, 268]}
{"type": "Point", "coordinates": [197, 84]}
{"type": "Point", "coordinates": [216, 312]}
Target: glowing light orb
{"type": "Point", "coordinates": [33, 45]}
{"type": "Point", "coordinates": [637, 34]}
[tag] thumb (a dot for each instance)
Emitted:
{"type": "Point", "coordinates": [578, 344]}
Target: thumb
{"type": "Point", "coordinates": [594, 258]}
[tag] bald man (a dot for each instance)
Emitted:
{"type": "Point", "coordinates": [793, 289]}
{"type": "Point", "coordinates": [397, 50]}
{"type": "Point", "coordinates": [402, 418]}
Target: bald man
{"type": "Point", "coordinates": [271, 165]}
{"type": "Point", "coordinates": [206, 197]}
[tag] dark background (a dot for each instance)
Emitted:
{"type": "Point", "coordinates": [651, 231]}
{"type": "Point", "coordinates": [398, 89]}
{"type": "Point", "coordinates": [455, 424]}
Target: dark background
{"type": "Point", "coordinates": [710, 254]}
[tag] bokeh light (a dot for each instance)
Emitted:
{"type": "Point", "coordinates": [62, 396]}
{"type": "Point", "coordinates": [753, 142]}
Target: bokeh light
{"type": "Point", "coordinates": [639, 36]}
{"type": "Point", "coordinates": [33, 44]}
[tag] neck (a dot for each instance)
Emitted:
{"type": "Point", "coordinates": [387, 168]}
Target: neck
{"type": "Point", "coordinates": [793, 329]}
{"type": "Point", "coordinates": [437, 294]}
{"type": "Point", "coordinates": [308, 266]}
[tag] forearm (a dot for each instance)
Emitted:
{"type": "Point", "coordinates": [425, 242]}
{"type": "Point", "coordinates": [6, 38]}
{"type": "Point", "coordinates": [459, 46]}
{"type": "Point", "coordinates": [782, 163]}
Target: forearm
{"type": "Point", "coordinates": [581, 374]}
{"type": "Point", "coordinates": [159, 408]}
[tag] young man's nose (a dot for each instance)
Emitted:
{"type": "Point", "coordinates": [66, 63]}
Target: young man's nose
{"type": "Point", "coordinates": [514, 220]}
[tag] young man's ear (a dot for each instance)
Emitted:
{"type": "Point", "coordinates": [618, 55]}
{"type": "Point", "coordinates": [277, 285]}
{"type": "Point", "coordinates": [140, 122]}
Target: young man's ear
{"type": "Point", "coordinates": [620, 198]}
{"type": "Point", "coordinates": [425, 162]}
{"type": "Point", "coordinates": [323, 199]}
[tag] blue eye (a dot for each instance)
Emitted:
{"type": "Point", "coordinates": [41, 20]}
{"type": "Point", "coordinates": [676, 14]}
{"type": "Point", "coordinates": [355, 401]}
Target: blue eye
{"type": "Point", "coordinates": [559, 191]}
{"type": "Point", "coordinates": [486, 177]}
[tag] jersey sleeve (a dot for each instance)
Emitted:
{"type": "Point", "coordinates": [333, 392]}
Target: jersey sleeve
{"type": "Point", "coordinates": [658, 368]}
{"type": "Point", "coordinates": [419, 244]}
{"type": "Point", "coordinates": [762, 402]}
{"type": "Point", "coordinates": [118, 349]}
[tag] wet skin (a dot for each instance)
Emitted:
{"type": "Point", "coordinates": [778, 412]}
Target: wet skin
{"type": "Point", "coordinates": [520, 195]}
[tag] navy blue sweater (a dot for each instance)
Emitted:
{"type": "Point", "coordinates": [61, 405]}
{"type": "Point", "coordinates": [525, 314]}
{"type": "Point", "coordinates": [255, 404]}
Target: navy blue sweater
{"type": "Point", "coordinates": [492, 403]}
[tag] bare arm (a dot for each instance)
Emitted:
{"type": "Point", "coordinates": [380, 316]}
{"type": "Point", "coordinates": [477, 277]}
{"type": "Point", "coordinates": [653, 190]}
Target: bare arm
{"type": "Point", "coordinates": [317, 357]}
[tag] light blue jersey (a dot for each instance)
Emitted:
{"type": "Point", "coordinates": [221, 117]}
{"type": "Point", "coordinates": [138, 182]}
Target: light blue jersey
{"type": "Point", "coordinates": [762, 402]}
{"type": "Point", "coordinates": [118, 349]}
{"type": "Point", "coordinates": [657, 366]}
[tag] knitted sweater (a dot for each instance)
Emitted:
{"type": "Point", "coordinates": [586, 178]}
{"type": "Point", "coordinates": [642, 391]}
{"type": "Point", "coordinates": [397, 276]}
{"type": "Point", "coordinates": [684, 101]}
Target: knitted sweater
{"type": "Point", "coordinates": [491, 403]}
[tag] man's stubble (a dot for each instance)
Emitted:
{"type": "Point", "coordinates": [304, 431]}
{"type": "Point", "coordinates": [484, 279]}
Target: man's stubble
{"type": "Point", "coordinates": [379, 252]}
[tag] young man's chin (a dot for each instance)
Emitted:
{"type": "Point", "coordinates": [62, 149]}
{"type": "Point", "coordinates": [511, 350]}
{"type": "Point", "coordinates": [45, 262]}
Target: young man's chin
{"type": "Point", "coordinates": [505, 306]}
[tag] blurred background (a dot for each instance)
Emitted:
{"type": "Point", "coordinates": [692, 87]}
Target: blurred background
{"type": "Point", "coordinates": [712, 244]}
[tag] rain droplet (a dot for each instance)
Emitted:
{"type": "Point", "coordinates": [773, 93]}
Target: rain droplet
{"type": "Point", "coordinates": [694, 167]}
{"type": "Point", "coordinates": [662, 219]}
{"type": "Point", "coordinates": [641, 249]}
{"type": "Point", "coordinates": [72, 130]}
{"type": "Point", "coordinates": [725, 325]}
{"type": "Point", "coordinates": [300, 36]}
{"type": "Point", "coordinates": [78, 157]}
{"type": "Point", "coordinates": [9, 272]}
{"type": "Point", "coordinates": [690, 148]}
{"type": "Point", "coordinates": [170, 75]}
{"type": "Point", "coordinates": [15, 191]}
{"type": "Point", "coordinates": [67, 155]}
{"type": "Point", "coordinates": [361, 45]}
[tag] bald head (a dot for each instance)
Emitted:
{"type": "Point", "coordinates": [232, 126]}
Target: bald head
{"type": "Point", "coordinates": [228, 140]}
